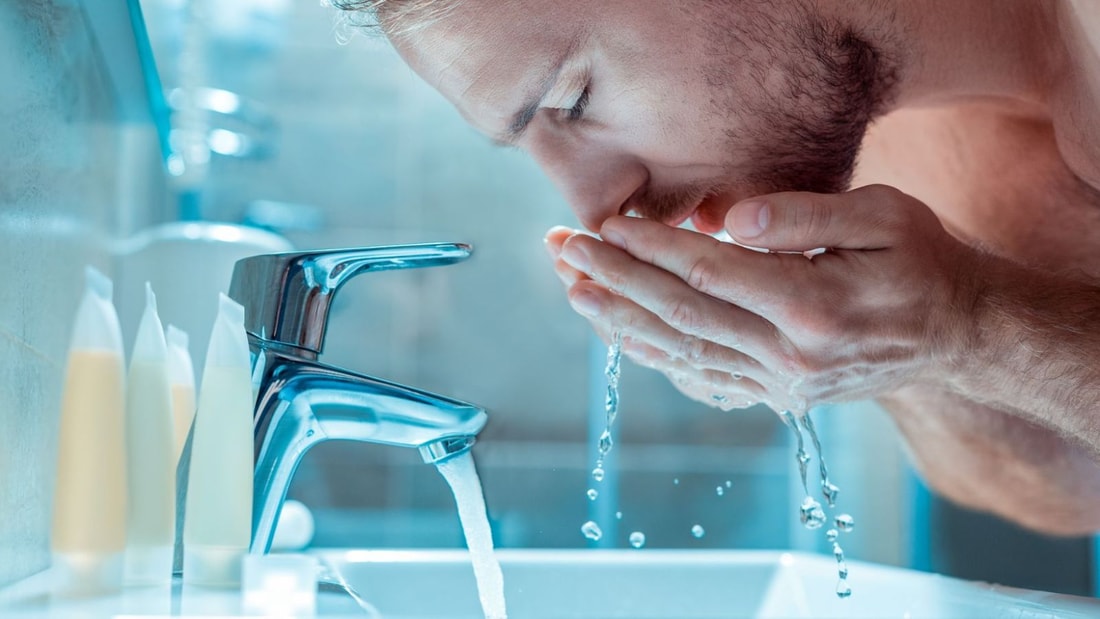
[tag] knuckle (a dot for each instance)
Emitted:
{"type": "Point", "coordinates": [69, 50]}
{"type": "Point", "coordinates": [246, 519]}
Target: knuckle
{"type": "Point", "coordinates": [691, 349]}
{"type": "Point", "coordinates": [682, 315]}
{"type": "Point", "coordinates": [811, 217]}
{"type": "Point", "coordinates": [701, 273]}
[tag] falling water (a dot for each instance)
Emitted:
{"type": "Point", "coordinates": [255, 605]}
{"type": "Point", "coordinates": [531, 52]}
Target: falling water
{"type": "Point", "coordinates": [828, 490]}
{"type": "Point", "coordinates": [611, 404]}
{"type": "Point", "coordinates": [611, 409]}
{"type": "Point", "coordinates": [810, 511]}
{"type": "Point", "coordinates": [461, 474]}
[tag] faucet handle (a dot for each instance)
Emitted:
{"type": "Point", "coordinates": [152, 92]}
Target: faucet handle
{"type": "Point", "coordinates": [287, 296]}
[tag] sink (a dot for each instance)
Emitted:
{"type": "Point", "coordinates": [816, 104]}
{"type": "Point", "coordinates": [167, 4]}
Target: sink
{"type": "Point", "coordinates": [685, 584]}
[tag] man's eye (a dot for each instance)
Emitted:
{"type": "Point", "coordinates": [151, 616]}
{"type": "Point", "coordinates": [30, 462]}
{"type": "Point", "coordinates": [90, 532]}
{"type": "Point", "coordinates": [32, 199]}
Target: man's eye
{"type": "Point", "coordinates": [577, 111]}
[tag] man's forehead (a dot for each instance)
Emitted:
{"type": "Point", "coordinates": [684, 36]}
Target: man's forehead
{"type": "Point", "coordinates": [486, 65]}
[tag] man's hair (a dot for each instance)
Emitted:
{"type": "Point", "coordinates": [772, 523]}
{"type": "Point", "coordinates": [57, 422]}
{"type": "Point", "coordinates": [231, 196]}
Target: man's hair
{"type": "Point", "coordinates": [390, 17]}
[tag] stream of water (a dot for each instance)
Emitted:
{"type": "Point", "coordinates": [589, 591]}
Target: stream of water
{"type": "Point", "coordinates": [461, 474]}
{"type": "Point", "coordinates": [811, 514]}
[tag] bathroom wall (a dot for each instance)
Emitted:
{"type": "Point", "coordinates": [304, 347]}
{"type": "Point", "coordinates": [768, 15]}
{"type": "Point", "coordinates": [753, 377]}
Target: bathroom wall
{"type": "Point", "coordinates": [67, 173]}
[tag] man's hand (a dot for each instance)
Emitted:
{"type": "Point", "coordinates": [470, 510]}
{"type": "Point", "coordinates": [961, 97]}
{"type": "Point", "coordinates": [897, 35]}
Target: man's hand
{"type": "Point", "coordinates": [887, 304]}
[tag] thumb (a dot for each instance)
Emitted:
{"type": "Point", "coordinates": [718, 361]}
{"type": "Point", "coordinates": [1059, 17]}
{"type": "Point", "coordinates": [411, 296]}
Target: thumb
{"type": "Point", "coordinates": [865, 218]}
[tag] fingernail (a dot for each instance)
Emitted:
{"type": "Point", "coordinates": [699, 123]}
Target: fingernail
{"type": "Point", "coordinates": [585, 303]}
{"type": "Point", "coordinates": [575, 257]}
{"type": "Point", "coordinates": [553, 246]}
{"type": "Point", "coordinates": [550, 247]}
{"type": "Point", "coordinates": [749, 219]}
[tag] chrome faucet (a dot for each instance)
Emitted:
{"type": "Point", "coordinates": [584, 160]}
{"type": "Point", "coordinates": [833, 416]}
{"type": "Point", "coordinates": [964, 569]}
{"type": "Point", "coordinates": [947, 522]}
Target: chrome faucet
{"type": "Point", "coordinates": [301, 402]}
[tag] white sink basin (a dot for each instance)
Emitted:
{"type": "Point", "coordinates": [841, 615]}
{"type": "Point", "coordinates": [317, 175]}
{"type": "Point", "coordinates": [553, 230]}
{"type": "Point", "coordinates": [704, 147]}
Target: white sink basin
{"type": "Point", "coordinates": [684, 584]}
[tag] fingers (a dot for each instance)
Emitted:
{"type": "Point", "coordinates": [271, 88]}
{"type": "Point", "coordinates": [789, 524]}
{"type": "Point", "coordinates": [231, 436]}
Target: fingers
{"type": "Point", "coordinates": [865, 218]}
{"type": "Point", "coordinates": [553, 240]}
{"type": "Point", "coordinates": [664, 294]}
{"type": "Point", "coordinates": [756, 282]}
{"type": "Point", "coordinates": [651, 339]}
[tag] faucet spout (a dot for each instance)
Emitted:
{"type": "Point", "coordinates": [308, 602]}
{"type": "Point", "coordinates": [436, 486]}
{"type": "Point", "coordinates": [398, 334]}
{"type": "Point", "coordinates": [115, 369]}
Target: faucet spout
{"type": "Point", "coordinates": [305, 402]}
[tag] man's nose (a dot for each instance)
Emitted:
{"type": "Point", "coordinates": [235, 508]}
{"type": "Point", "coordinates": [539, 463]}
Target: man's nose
{"type": "Point", "coordinates": [598, 181]}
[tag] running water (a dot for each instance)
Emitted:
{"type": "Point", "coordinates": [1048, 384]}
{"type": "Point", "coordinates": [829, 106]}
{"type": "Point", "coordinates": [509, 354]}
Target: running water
{"type": "Point", "coordinates": [461, 474]}
{"type": "Point", "coordinates": [611, 404]}
{"type": "Point", "coordinates": [810, 511]}
{"type": "Point", "coordinates": [611, 408]}
{"type": "Point", "coordinates": [828, 490]}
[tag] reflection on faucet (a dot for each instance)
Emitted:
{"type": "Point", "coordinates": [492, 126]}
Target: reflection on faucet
{"type": "Point", "coordinates": [300, 401]}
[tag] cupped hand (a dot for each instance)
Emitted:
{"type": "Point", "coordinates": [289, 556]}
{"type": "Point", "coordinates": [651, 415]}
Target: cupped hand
{"type": "Point", "coordinates": [887, 304]}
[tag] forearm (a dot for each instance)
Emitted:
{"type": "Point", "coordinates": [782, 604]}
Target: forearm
{"type": "Point", "coordinates": [1035, 352]}
{"type": "Point", "coordinates": [991, 461]}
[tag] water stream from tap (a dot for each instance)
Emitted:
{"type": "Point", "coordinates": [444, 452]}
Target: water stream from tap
{"type": "Point", "coordinates": [461, 474]}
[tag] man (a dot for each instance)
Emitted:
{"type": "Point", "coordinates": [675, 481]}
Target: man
{"type": "Point", "coordinates": [959, 285]}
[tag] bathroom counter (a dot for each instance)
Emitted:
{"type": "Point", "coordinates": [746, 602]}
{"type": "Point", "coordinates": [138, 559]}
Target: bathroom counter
{"type": "Point", "coordinates": [30, 598]}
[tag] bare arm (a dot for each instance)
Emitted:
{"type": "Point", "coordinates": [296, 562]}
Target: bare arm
{"type": "Point", "coordinates": [991, 461]}
{"type": "Point", "coordinates": [1016, 430]}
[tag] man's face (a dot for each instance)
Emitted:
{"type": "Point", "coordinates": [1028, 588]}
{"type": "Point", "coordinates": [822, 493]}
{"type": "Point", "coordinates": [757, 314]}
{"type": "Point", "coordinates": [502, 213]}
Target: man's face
{"type": "Point", "coordinates": [672, 110]}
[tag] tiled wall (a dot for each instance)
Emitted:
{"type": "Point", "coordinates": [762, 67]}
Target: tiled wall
{"type": "Point", "coordinates": [60, 169]}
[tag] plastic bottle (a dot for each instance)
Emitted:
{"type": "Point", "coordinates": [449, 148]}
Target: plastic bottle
{"type": "Point", "coordinates": [217, 527]}
{"type": "Point", "coordinates": [88, 536]}
{"type": "Point", "coordinates": [151, 470]}
{"type": "Point", "coordinates": [181, 376]}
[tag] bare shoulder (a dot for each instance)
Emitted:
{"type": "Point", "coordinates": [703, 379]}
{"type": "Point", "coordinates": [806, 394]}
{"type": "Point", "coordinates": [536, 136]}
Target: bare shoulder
{"type": "Point", "coordinates": [1087, 14]}
{"type": "Point", "coordinates": [1076, 106]}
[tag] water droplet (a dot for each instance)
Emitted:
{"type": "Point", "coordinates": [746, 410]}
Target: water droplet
{"type": "Point", "coordinates": [729, 484]}
{"type": "Point", "coordinates": [811, 514]}
{"type": "Point", "coordinates": [591, 530]}
{"type": "Point", "coordinates": [737, 376]}
{"type": "Point", "coordinates": [637, 539]}
{"type": "Point", "coordinates": [831, 535]}
{"type": "Point", "coordinates": [592, 494]}
{"type": "Point", "coordinates": [618, 515]}
{"type": "Point", "coordinates": [605, 443]}
{"type": "Point", "coordinates": [830, 491]}
{"type": "Point", "coordinates": [597, 473]}
{"type": "Point", "coordinates": [843, 590]}
{"type": "Point", "coordinates": [838, 554]}
{"type": "Point", "coordinates": [697, 531]}
{"type": "Point", "coordinates": [675, 481]}
{"type": "Point", "coordinates": [845, 523]}
{"type": "Point", "coordinates": [720, 490]}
